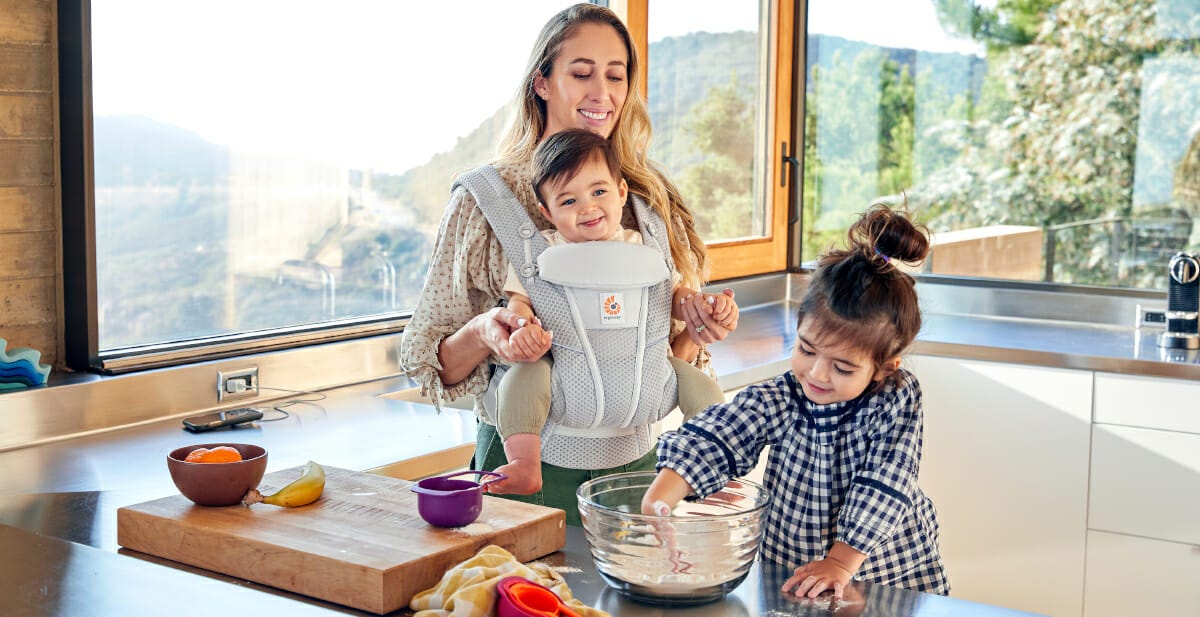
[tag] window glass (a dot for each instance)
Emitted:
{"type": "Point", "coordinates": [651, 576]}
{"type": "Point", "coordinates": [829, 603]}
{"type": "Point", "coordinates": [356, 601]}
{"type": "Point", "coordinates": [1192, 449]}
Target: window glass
{"type": "Point", "coordinates": [707, 94]}
{"type": "Point", "coordinates": [1040, 140]}
{"type": "Point", "coordinates": [275, 164]}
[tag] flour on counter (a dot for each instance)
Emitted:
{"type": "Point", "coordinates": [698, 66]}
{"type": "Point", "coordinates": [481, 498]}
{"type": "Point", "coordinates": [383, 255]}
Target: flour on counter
{"type": "Point", "coordinates": [474, 529]}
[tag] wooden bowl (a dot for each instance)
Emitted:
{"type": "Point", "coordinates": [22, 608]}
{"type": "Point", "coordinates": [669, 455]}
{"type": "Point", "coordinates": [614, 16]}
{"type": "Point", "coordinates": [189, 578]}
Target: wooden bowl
{"type": "Point", "coordinates": [217, 484]}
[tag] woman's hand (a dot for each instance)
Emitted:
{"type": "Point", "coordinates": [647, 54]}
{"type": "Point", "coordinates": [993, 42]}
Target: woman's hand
{"type": "Point", "coordinates": [702, 325]}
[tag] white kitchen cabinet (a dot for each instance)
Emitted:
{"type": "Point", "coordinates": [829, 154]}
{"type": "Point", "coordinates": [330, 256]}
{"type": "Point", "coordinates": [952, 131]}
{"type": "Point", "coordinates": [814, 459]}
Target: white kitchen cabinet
{"type": "Point", "coordinates": [1146, 482]}
{"type": "Point", "coordinates": [1006, 463]}
{"type": "Point", "coordinates": [1151, 402]}
{"type": "Point", "coordinates": [1143, 553]}
{"type": "Point", "coordinates": [1128, 575]}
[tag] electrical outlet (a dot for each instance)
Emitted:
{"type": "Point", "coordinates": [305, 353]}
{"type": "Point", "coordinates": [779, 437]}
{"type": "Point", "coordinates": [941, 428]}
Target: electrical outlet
{"type": "Point", "coordinates": [237, 384]}
{"type": "Point", "coordinates": [1150, 317]}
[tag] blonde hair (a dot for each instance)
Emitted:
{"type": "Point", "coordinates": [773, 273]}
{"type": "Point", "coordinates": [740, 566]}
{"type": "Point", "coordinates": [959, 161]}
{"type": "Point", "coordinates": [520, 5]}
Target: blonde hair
{"type": "Point", "coordinates": [630, 137]}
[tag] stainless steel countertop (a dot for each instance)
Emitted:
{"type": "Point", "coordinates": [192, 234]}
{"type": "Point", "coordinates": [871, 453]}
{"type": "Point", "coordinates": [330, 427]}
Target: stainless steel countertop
{"type": "Point", "coordinates": [60, 497]}
{"type": "Point", "coordinates": [46, 576]}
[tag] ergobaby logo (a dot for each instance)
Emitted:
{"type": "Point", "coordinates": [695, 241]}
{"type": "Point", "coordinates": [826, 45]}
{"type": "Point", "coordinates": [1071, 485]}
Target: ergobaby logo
{"type": "Point", "coordinates": [612, 309]}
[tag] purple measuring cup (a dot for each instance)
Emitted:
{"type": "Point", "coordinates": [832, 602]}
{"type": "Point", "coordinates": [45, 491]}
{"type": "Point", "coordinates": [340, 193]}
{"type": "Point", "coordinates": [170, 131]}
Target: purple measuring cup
{"type": "Point", "coordinates": [445, 502]}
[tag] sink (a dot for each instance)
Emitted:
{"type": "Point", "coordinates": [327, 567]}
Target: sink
{"type": "Point", "coordinates": [413, 395]}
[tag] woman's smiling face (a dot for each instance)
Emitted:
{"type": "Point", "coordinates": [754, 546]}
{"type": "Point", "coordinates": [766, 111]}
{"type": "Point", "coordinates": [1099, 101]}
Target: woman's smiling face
{"type": "Point", "coordinates": [588, 82]}
{"type": "Point", "coordinates": [830, 372]}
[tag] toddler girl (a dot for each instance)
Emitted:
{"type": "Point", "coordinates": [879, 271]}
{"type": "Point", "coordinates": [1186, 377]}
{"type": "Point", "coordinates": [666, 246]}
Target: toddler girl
{"type": "Point", "coordinates": [844, 426]}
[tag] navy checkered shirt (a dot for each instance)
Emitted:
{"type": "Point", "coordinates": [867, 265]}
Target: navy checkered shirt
{"type": "Point", "coordinates": [840, 472]}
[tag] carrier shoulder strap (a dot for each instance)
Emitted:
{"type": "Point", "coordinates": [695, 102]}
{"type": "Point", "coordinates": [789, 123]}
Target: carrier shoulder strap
{"type": "Point", "coordinates": [519, 237]}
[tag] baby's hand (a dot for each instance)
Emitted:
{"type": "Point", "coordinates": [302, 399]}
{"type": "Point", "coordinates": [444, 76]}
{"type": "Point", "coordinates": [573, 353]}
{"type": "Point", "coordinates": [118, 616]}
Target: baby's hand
{"type": "Point", "coordinates": [724, 309]}
{"type": "Point", "coordinates": [530, 341]}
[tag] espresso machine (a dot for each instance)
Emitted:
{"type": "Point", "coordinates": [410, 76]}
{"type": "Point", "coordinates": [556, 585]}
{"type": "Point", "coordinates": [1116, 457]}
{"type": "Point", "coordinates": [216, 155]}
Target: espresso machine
{"type": "Point", "coordinates": [1183, 303]}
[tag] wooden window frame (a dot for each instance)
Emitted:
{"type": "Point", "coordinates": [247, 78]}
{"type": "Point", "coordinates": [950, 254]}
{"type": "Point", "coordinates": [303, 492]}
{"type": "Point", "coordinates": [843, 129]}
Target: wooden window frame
{"type": "Point", "coordinates": [739, 258]}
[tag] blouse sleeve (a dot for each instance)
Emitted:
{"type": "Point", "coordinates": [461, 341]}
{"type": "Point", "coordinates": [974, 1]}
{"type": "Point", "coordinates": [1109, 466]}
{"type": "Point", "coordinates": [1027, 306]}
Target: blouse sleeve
{"type": "Point", "coordinates": [466, 275]}
{"type": "Point", "coordinates": [884, 486]}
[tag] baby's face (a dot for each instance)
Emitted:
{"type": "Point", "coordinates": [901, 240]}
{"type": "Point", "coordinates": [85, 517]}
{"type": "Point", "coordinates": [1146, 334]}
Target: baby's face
{"type": "Point", "coordinates": [587, 206]}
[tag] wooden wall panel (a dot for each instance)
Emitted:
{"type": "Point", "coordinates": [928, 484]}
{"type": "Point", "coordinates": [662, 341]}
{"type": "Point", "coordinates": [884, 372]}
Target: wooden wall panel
{"type": "Point", "coordinates": [27, 254]}
{"type": "Point", "coordinates": [30, 270]}
{"type": "Point", "coordinates": [26, 163]}
{"type": "Point", "coordinates": [27, 208]}
{"type": "Point", "coordinates": [26, 116]}
{"type": "Point", "coordinates": [26, 68]}
{"type": "Point", "coordinates": [27, 300]}
{"type": "Point", "coordinates": [40, 336]}
{"type": "Point", "coordinates": [26, 21]}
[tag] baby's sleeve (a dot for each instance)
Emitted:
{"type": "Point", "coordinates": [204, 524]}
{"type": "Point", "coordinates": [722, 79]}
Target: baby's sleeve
{"type": "Point", "coordinates": [512, 283]}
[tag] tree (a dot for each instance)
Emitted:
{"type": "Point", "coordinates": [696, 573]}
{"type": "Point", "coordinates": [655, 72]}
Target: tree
{"type": "Point", "coordinates": [720, 186]}
{"type": "Point", "coordinates": [859, 137]}
{"type": "Point", "coordinates": [1011, 23]}
{"type": "Point", "coordinates": [1062, 143]}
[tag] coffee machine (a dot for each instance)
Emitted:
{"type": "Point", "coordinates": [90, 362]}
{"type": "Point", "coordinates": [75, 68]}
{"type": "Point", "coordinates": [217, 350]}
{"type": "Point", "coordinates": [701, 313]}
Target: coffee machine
{"type": "Point", "coordinates": [1183, 303]}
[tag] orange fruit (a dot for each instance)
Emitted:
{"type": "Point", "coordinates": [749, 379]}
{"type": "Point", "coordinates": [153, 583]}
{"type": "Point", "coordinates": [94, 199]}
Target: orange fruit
{"type": "Point", "coordinates": [219, 454]}
{"type": "Point", "coordinates": [195, 455]}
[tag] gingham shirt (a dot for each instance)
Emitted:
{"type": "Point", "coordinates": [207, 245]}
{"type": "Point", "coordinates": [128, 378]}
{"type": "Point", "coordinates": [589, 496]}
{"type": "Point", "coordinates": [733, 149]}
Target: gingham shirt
{"type": "Point", "coordinates": [841, 472]}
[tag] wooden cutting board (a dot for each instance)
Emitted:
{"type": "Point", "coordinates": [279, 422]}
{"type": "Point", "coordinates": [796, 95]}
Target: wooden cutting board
{"type": "Point", "coordinates": [362, 544]}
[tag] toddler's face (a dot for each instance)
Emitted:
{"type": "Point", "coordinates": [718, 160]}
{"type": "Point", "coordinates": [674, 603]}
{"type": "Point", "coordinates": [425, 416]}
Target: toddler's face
{"type": "Point", "coordinates": [586, 206]}
{"type": "Point", "coordinates": [828, 371]}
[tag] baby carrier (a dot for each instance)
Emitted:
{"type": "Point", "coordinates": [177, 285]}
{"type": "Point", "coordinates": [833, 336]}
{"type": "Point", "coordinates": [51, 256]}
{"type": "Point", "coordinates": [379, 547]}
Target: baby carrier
{"type": "Point", "coordinates": [609, 306]}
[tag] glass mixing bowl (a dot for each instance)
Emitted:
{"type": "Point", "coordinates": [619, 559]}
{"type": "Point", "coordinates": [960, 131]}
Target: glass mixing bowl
{"type": "Point", "coordinates": [699, 553]}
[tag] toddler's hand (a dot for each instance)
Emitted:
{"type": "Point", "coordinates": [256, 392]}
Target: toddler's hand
{"type": "Point", "coordinates": [656, 508]}
{"type": "Point", "coordinates": [530, 342]}
{"type": "Point", "coordinates": [813, 578]}
{"type": "Point", "coordinates": [724, 310]}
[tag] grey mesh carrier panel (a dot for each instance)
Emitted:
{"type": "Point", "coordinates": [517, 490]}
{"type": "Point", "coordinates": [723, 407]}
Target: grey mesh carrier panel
{"type": "Point", "coordinates": [577, 423]}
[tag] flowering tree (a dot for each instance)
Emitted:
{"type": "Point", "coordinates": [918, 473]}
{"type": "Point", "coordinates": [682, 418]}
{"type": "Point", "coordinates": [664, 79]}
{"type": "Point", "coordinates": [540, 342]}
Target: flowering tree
{"type": "Point", "coordinates": [1057, 140]}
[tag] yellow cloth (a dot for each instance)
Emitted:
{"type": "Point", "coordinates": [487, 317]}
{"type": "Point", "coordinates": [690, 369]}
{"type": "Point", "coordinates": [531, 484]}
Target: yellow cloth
{"type": "Point", "coordinates": [469, 589]}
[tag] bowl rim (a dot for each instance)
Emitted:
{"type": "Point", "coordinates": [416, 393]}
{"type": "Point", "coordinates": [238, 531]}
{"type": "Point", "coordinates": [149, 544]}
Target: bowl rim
{"type": "Point", "coordinates": [175, 454]}
{"type": "Point", "coordinates": [584, 501]}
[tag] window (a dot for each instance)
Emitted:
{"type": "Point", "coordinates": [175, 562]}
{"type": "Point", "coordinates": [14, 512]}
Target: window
{"type": "Point", "coordinates": [719, 92]}
{"type": "Point", "coordinates": [1041, 141]}
{"type": "Point", "coordinates": [247, 184]}
{"type": "Point", "coordinates": [275, 166]}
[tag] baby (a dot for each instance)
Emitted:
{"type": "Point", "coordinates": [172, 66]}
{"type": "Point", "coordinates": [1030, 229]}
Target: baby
{"type": "Point", "coordinates": [577, 178]}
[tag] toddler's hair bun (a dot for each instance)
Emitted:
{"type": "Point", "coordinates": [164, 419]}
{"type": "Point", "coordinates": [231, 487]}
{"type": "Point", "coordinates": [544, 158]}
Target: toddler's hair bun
{"type": "Point", "coordinates": [884, 236]}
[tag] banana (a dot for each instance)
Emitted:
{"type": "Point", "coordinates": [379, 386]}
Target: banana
{"type": "Point", "coordinates": [301, 492]}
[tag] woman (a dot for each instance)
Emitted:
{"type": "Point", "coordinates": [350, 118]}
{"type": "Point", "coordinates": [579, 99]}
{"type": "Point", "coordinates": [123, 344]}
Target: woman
{"type": "Point", "coordinates": [583, 73]}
